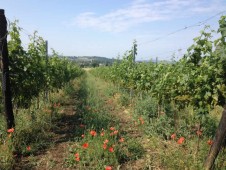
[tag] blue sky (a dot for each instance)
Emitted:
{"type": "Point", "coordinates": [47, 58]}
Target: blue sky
{"type": "Point", "coordinates": [108, 27]}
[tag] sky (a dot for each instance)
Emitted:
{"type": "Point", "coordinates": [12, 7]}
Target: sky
{"type": "Point", "coordinates": [108, 28]}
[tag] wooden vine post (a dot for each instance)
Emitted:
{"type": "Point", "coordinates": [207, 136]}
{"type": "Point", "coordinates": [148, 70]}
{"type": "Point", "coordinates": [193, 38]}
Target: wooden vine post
{"type": "Point", "coordinates": [6, 92]}
{"type": "Point", "coordinates": [220, 136]}
{"type": "Point", "coordinates": [47, 71]}
{"type": "Point", "coordinates": [217, 143]}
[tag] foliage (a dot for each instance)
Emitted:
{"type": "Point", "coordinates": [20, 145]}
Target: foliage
{"type": "Point", "coordinates": [198, 79]}
{"type": "Point", "coordinates": [33, 74]}
{"type": "Point", "coordinates": [32, 71]}
{"type": "Point", "coordinates": [176, 97]}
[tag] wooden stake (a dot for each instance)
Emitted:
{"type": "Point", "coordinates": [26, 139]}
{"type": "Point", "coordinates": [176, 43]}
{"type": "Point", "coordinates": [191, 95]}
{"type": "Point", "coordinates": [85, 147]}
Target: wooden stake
{"type": "Point", "coordinates": [5, 71]}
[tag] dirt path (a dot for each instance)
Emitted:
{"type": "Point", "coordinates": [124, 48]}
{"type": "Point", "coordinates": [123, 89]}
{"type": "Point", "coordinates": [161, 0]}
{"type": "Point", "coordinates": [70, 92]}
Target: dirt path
{"type": "Point", "coordinates": [65, 132]}
{"type": "Point", "coordinates": [128, 124]}
{"type": "Point", "coordinates": [62, 135]}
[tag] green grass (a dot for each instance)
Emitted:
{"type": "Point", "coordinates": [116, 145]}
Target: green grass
{"type": "Point", "coordinates": [96, 117]}
{"type": "Point", "coordinates": [100, 139]}
{"type": "Point", "coordinates": [33, 132]}
{"type": "Point", "coordinates": [162, 152]}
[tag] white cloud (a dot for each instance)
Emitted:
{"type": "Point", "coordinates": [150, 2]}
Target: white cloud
{"type": "Point", "coordinates": [143, 11]}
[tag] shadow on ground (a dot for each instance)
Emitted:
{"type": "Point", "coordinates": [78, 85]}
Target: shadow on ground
{"type": "Point", "coordinates": [67, 128]}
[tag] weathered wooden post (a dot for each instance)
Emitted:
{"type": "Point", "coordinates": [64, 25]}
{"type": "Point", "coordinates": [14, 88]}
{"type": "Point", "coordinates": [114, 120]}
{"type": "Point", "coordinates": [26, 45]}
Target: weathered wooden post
{"type": "Point", "coordinates": [5, 71]}
{"type": "Point", "coordinates": [47, 72]}
{"type": "Point", "coordinates": [217, 143]}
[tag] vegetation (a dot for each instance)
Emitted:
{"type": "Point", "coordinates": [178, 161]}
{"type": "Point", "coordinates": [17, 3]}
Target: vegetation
{"type": "Point", "coordinates": [91, 61]}
{"type": "Point", "coordinates": [126, 116]}
{"type": "Point", "coordinates": [103, 142]}
{"type": "Point", "coordinates": [198, 79]}
{"type": "Point", "coordinates": [177, 98]}
{"type": "Point", "coordinates": [35, 79]}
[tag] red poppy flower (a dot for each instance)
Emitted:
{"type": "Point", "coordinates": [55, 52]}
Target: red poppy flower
{"type": "Point", "coordinates": [102, 134]}
{"type": "Point", "coordinates": [173, 136]}
{"type": "Point", "coordinates": [111, 149]}
{"type": "Point", "coordinates": [115, 132]}
{"type": "Point", "coordinates": [108, 168]}
{"type": "Point", "coordinates": [76, 154]}
{"type": "Point", "coordinates": [112, 128]}
{"type": "Point", "coordinates": [77, 157]}
{"type": "Point", "coordinates": [181, 140]}
{"type": "Point", "coordinates": [10, 130]}
{"type": "Point", "coordinates": [93, 133]}
{"type": "Point", "coordinates": [28, 148]}
{"type": "Point", "coordinates": [83, 135]}
{"type": "Point", "coordinates": [121, 140]}
{"type": "Point", "coordinates": [210, 142]}
{"type": "Point", "coordinates": [104, 146]}
{"type": "Point", "coordinates": [85, 145]}
{"type": "Point", "coordinates": [106, 141]}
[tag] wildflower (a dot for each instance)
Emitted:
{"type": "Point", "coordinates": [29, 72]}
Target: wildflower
{"type": "Point", "coordinates": [199, 132]}
{"type": "Point", "coordinates": [108, 168]}
{"type": "Point", "coordinates": [121, 140]}
{"type": "Point", "coordinates": [141, 120]}
{"type": "Point", "coordinates": [93, 133]}
{"type": "Point", "coordinates": [173, 136]}
{"type": "Point", "coordinates": [102, 134]}
{"type": "Point", "coordinates": [210, 142]}
{"type": "Point", "coordinates": [181, 140]}
{"type": "Point", "coordinates": [106, 141]}
{"type": "Point", "coordinates": [83, 135]}
{"type": "Point", "coordinates": [112, 128]}
{"type": "Point", "coordinates": [85, 145]}
{"type": "Point", "coordinates": [10, 130]}
{"type": "Point", "coordinates": [28, 148]}
{"type": "Point", "coordinates": [111, 149]}
{"type": "Point", "coordinates": [77, 157]}
{"type": "Point", "coordinates": [115, 132]}
{"type": "Point", "coordinates": [104, 146]}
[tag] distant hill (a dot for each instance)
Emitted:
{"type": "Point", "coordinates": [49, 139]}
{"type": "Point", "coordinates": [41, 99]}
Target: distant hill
{"type": "Point", "coordinates": [91, 61]}
{"type": "Point", "coordinates": [95, 61]}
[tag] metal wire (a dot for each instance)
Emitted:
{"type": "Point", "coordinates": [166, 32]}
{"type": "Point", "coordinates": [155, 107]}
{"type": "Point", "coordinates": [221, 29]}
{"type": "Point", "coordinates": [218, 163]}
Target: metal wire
{"type": "Point", "coordinates": [198, 24]}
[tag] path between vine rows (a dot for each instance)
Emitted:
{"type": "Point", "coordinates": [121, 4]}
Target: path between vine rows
{"type": "Point", "coordinates": [63, 135]}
